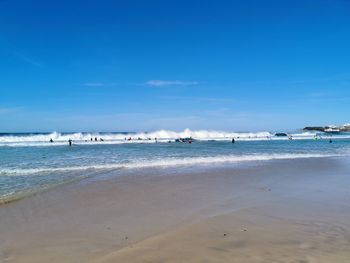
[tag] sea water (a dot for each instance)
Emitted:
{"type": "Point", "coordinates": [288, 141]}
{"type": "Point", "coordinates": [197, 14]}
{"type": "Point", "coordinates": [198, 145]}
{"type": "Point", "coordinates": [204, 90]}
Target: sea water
{"type": "Point", "coordinates": [30, 163]}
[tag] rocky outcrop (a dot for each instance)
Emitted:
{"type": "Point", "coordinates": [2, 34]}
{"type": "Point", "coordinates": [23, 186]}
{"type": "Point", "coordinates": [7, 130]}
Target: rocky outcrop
{"type": "Point", "coordinates": [314, 128]}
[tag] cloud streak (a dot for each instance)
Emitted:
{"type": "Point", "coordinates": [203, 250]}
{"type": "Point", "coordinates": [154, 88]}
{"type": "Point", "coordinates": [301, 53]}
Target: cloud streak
{"type": "Point", "coordinates": [28, 60]}
{"type": "Point", "coordinates": [167, 83]}
{"type": "Point", "coordinates": [98, 84]}
{"type": "Point", "coordinates": [212, 100]}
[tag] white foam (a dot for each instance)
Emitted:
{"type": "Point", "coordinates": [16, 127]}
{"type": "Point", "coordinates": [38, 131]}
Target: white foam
{"type": "Point", "coordinates": [144, 137]}
{"type": "Point", "coordinates": [160, 134]}
{"type": "Point", "coordinates": [166, 162]}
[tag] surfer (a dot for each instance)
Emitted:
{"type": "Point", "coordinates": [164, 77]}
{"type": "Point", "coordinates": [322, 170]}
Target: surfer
{"type": "Point", "coordinates": [233, 140]}
{"type": "Point", "coordinates": [70, 142]}
{"type": "Point", "coordinates": [51, 140]}
{"type": "Point", "coordinates": [330, 141]}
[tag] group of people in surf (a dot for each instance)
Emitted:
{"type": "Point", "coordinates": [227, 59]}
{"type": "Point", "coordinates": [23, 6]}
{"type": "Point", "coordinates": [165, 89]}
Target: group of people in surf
{"type": "Point", "coordinates": [70, 141]}
{"type": "Point", "coordinates": [186, 140]}
{"type": "Point", "coordinates": [183, 140]}
{"type": "Point", "coordinates": [96, 139]}
{"type": "Point", "coordinates": [318, 137]}
{"type": "Point", "coordinates": [139, 139]}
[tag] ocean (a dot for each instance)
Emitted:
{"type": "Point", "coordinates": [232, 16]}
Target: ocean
{"type": "Point", "coordinates": [30, 163]}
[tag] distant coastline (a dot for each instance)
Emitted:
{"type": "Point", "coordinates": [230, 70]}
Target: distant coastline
{"type": "Point", "coordinates": [342, 128]}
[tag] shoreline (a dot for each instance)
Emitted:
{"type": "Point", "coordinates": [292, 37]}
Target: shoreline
{"type": "Point", "coordinates": [119, 170]}
{"type": "Point", "coordinates": [129, 218]}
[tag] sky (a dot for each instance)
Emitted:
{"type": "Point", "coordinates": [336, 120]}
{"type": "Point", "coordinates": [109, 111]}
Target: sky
{"type": "Point", "coordinates": [143, 65]}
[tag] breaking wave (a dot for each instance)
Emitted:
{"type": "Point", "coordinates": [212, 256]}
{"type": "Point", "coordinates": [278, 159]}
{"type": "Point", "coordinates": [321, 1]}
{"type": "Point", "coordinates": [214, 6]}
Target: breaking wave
{"type": "Point", "coordinates": [160, 134]}
{"type": "Point", "coordinates": [143, 137]}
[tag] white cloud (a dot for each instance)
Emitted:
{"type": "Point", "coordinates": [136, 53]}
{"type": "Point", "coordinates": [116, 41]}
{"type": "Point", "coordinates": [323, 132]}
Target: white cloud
{"type": "Point", "coordinates": [198, 99]}
{"type": "Point", "coordinates": [165, 83]}
{"type": "Point", "coordinates": [98, 84]}
{"type": "Point", "coordinates": [93, 84]}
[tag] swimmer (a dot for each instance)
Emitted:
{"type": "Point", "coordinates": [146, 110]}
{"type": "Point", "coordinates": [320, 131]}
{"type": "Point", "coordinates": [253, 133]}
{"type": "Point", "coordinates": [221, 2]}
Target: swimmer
{"type": "Point", "coordinates": [51, 140]}
{"type": "Point", "coordinates": [70, 142]}
{"type": "Point", "coordinates": [233, 140]}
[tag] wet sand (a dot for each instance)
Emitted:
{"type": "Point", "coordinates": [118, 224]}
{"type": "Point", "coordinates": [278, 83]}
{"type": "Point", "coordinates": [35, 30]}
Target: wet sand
{"type": "Point", "coordinates": [276, 211]}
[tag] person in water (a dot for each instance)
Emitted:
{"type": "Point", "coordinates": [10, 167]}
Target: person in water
{"type": "Point", "coordinates": [95, 139]}
{"type": "Point", "coordinates": [233, 140]}
{"type": "Point", "coordinates": [70, 142]}
{"type": "Point", "coordinates": [51, 140]}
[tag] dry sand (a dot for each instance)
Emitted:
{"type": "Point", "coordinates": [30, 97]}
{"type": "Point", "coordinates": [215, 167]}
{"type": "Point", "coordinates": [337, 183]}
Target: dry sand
{"type": "Point", "coordinates": [280, 211]}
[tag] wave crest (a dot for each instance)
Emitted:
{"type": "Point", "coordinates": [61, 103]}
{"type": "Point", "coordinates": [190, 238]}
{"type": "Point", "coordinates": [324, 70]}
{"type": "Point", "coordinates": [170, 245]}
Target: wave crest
{"type": "Point", "coordinates": [160, 135]}
{"type": "Point", "coordinates": [144, 137]}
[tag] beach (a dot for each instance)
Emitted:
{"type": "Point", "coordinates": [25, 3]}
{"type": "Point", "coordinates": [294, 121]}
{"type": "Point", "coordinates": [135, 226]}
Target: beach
{"type": "Point", "coordinates": [174, 131]}
{"type": "Point", "coordinates": [264, 211]}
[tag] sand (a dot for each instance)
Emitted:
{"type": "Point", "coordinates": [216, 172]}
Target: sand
{"type": "Point", "coordinates": [276, 211]}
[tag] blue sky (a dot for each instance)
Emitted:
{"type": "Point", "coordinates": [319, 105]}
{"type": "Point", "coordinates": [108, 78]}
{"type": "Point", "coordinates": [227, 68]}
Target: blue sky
{"type": "Point", "coordinates": [145, 65]}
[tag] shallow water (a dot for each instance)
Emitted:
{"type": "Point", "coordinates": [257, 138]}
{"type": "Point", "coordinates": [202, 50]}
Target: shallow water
{"type": "Point", "coordinates": [29, 164]}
